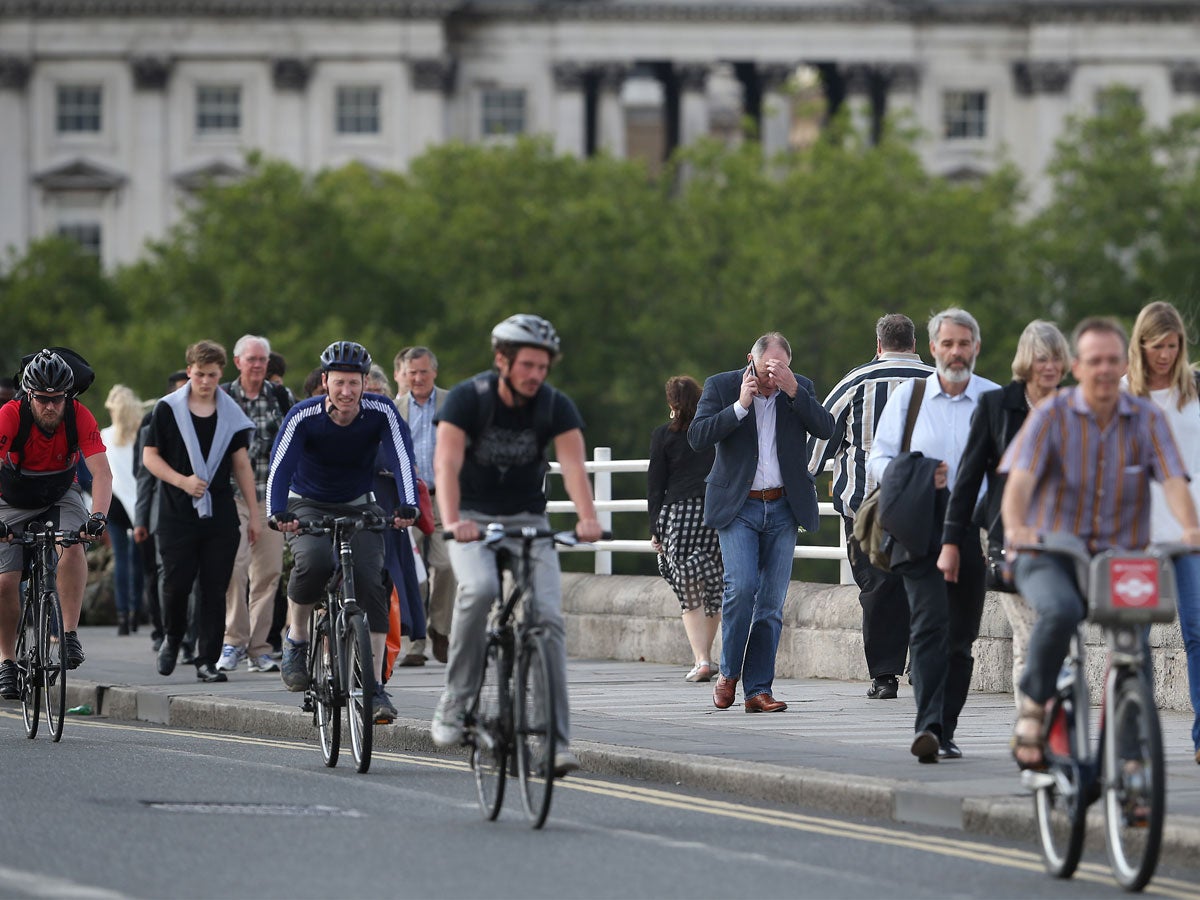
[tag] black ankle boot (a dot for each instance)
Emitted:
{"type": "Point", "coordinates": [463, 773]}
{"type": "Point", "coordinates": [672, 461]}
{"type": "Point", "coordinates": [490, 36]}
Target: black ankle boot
{"type": "Point", "coordinates": [122, 624]}
{"type": "Point", "coordinates": [168, 655]}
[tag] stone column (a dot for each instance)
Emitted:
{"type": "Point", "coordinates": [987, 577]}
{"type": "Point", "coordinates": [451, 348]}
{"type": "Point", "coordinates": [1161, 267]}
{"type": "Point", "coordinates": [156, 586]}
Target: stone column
{"type": "Point", "coordinates": [776, 107]}
{"type": "Point", "coordinates": [149, 172]}
{"type": "Point", "coordinates": [1045, 85]}
{"type": "Point", "coordinates": [610, 109]}
{"type": "Point", "coordinates": [857, 80]}
{"type": "Point", "coordinates": [570, 110]}
{"type": "Point", "coordinates": [693, 102]}
{"type": "Point", "coordinates": [432, 81]}
{"type": "Point", "coordinates": [898, 84]}
{"type": "Point", "coordinates": [15, 173]}
{"type": "Point", "coordinates": [290, 138]}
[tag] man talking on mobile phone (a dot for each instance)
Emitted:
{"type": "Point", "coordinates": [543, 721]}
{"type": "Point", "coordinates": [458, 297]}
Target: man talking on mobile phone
{"type": "Point", "coordinates": [759, 419]}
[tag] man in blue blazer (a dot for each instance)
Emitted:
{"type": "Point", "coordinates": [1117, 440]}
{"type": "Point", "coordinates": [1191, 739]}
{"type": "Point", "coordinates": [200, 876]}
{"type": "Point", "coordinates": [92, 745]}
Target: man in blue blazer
{"type": "Point", "coordinates": [759, 419]}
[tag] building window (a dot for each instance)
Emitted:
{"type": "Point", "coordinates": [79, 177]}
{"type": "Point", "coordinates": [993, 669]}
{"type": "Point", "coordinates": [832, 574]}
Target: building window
{"type": "Point", "coordinates": [85, 234]}
{"type": "Point", "coordinates": [964, 115]}
{"type": "Point", "coordinates": [503, 112]}
{"type": "Point", "coordinates": [218, 109]}
{"type": "Point", "coordinates": [357, 110]}
{"type": "Point", "coordinates": [79, 108]}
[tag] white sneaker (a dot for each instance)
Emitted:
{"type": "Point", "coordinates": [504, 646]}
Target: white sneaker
{"type": "Point", "coordinates": [230, 657]}
{"type": "Point", "coordinates": [263, 663]}
{"type": "Point", "coordinates": [564, 762]}
{"type": "Point", "coordinates": [447, 726]}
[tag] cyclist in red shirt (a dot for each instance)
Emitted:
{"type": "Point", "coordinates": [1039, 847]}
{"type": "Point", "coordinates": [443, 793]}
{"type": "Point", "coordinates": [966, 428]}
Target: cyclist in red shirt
{"type": "Point", "coordinates": [37, 479]}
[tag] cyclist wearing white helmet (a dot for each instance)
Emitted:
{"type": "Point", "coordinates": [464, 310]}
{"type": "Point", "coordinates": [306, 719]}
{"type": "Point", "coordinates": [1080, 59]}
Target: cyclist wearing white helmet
{"type": "Point", "coordinates": [44, 433]}
{"type": "Point", "coordinates": [490, 466]}
{"type": "Point", "coordinates": [324, 464]}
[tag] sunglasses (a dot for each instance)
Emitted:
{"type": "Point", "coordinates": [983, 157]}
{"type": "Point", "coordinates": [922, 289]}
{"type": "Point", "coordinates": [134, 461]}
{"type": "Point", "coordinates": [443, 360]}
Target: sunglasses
{"type": "Point", "coordinates": [49, 399]}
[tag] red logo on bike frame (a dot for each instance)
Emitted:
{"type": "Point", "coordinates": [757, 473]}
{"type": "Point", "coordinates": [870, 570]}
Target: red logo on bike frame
{"type": "Point", "coordinates": [1133, 583]}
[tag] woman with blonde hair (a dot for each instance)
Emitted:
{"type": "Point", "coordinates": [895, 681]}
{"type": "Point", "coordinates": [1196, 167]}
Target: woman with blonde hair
{"type": "Point", "coordinates": [126, 411]}
{"type": "Point", "coordinates": [1159, 370]}
{"type": "Point", "coordinates": [689, 553]}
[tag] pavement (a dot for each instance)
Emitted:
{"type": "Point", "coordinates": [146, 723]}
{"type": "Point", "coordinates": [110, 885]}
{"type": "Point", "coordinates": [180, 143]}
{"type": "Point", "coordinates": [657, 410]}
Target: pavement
{"type": "Point", "coordinates": [832, 749]}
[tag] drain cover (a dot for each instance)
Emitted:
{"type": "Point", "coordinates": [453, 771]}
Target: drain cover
{"type": "Point", "coordinates": [251, 809]}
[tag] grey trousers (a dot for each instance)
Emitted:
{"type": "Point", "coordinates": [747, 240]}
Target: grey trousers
{"type": "Point", "coordinates": [478, 583]}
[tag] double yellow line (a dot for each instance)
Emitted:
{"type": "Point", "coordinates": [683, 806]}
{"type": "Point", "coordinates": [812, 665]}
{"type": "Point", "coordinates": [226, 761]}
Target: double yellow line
{"type": "Point", "coordinates": [975, 851]}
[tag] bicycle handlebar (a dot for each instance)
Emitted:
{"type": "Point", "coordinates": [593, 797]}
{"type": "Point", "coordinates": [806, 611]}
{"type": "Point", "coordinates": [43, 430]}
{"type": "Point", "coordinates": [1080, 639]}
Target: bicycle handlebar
{"type": "Point", "coordinates": [32, 533]}
{"type": "Point", "coordinates": [494, 532]}
{"type": "Point", "coordinates": [365, 521]}
{"type": "Point", "coordinates": [1063, 543]}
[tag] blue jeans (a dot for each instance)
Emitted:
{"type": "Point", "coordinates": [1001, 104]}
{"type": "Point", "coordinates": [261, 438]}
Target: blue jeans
{"type": "Point", "coordinates": [127, 572]}
{"type": "Point", "coordinates": [1048, 583]}
{"type": "Point", "coordinates": [1187, 575]}
{"type": "Point", "coordinates": [757, 549]}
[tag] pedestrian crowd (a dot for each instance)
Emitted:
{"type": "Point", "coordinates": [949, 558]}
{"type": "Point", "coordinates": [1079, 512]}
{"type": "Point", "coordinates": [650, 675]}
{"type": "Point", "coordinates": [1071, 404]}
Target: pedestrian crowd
{"type": "Point", "coordinates": [938, 473]}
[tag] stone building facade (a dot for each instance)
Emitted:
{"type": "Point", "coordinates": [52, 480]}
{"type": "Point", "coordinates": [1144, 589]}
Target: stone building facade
{"type": "Point", "coordinates": [112, 112]}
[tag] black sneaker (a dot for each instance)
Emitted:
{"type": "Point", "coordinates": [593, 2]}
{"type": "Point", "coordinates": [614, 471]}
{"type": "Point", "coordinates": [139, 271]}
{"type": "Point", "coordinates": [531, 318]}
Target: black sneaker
{"type": "Point", "coordinates": [74, 650]}
{"type": "Point", "coordinates": [10, 688]}
{"type": "Point", "coordinates": [885, 687]}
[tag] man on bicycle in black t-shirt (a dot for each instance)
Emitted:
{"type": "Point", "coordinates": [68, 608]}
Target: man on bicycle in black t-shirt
{"type": "Point", "coordinates": [490, 466]}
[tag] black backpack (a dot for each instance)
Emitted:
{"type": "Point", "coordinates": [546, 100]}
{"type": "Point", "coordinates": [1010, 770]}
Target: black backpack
{"type": "Point", "coordinates": [543, 411]}
{"type": "Point", "coordinates": [30, 491]}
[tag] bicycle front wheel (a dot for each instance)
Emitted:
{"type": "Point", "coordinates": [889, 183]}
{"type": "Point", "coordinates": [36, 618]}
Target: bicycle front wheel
{"type": "Point", "coordinates": [1060, 803]}
{"type": "Point", "coordinates": [535, 730]}
{"type": "Point", "coordinates": [28, 669]}
{"type": "Point", "coordinates": [323, 687]}
{"type": "Point", "coordinates": [486, 732]}
{"type": "Point", "coordinates": [1134, 781]}
{"type": "Point", "coordinates": [54, 664]}
{"type": "Point", "coordinates": [360, 690]}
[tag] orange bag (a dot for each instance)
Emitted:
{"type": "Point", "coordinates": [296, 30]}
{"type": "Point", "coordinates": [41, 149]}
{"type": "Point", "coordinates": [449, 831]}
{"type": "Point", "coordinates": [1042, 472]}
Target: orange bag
{"type": "Point", "coordinates": [392, 649]}
{"type": "Point", "coordinates": [425, 520]}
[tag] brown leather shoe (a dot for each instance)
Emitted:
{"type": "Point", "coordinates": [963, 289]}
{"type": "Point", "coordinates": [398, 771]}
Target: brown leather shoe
{"type": "Point", "coordinates": [723, 692]}
{"type": "Point", "coordinates": [412, 659]}
{"type": "Point", "coordinates": [764, 703]}
{"type": "Point", "coordinates": [441, 645]}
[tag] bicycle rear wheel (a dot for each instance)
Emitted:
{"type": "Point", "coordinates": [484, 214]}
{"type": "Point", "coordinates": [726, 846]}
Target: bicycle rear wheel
{"type": "Point", "coordinates": [54, 664]}
{"type": "Point", "coordinates": [28, 665]}
{"type": "Point", "coordinates": [1060, 803]}
{"type": "Point", "coordinates": [535, 734]}
{"type": "Point", "coordinates": [1134, 783]}
{"type": "Point", "coordinates": [360, 689]}
{"type": "Point", "coordinates": [323, 687]}
{"type": "Point", "coordinates": [486, 732]}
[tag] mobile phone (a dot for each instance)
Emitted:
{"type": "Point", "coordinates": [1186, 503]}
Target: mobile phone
{"type": "Point", "coordinates": [753, 371]}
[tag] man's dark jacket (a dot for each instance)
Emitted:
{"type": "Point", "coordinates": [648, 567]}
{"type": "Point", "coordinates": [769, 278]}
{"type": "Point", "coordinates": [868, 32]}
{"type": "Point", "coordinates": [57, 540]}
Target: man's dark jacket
{"type": "Point", "coordinates": [911, 510]}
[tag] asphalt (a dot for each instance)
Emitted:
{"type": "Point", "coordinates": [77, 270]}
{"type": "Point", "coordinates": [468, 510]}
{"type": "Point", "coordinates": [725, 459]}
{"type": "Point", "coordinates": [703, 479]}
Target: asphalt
{"type": "Point", "coordinates": [832, 749]}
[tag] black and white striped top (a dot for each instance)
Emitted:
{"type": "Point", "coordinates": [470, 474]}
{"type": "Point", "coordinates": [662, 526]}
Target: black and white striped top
{"type": "Point", "coordinates": [855, 404]}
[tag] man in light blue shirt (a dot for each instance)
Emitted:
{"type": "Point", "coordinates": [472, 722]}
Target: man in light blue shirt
{"type": "Point", "coordinates": [945, 615]}
{"type": "Point", "coordinates": [419, 407]}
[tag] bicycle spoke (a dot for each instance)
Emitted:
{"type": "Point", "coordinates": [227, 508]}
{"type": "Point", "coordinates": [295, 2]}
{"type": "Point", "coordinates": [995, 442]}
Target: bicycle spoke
{"type": "Point", "coordinates": [29, 669]}
{"type": "Point", "coordinates": [1134, 790]}
{"type": "Point", "coordinates": [360, 678]}
{"type": "Point", "coordinates": [535, 740]}
{"type": "Point", "coordinates": [54, 665]}
{"type": "Point", "coordinates": [486, 734]}
{"type": "Point", "coordinates": [322, 689]}
{"type": "Point", "coordinates": [1059, 801]}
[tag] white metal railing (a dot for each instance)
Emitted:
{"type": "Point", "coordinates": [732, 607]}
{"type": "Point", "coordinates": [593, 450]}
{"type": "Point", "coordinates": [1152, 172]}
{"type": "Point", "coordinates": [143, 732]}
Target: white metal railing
{"type": "Point", "coordinates": [602, 466]}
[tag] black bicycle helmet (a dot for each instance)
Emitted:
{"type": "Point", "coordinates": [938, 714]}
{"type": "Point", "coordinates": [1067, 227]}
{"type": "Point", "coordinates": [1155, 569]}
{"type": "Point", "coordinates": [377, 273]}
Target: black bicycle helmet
{"type": "Point", "coordinates": [47, 373]}
{"type": "Point", "coordinates": [526, 330]}
{"type": "Point", "coordinates": [346, 356]}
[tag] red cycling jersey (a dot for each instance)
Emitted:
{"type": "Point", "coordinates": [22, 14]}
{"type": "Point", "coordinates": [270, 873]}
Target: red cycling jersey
{"type": "Point", "coordinates": [48, 454]}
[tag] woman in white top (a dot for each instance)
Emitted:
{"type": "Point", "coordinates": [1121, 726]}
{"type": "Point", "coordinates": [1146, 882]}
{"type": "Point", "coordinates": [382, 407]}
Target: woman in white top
{"type": "Point", "coordinates": [126, 412]}
{"type": "Point", "coordinates": [1159, 369]}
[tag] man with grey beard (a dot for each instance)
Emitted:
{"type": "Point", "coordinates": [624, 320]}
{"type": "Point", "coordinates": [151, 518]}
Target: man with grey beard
{"type": "Point", "coordinates": [945, 615]}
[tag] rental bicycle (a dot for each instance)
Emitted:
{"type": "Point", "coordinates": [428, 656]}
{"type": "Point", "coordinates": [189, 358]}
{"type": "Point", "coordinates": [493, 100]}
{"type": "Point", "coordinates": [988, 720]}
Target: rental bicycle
{"type": "Point", "coordinates": [1125, 592]}
{"type": "Point", "coordinates": [341, 667]}
{"type": "Point", "coordinates": [41, 655]}
{"type": "Point", "coordinates": [510, 724]}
